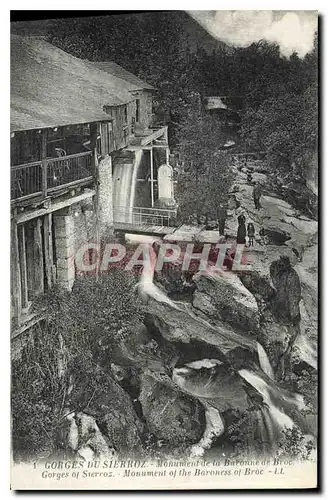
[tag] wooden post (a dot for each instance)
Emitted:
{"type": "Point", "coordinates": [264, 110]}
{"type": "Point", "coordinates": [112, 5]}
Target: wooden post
{"type": "Point", "coordinates": [94, 127]}
{"type": "Point", "coordinates": [38, 259]}
{"type": "Point", "coordinates": [151, 177]}
{"type": "Point", "coordinates": [22, 263]}
{"type": "Point", "coordinates": [29, 236]}
{"type": "Point", "coordinates": [48, 254]}
{"type": "Point", "coordinates": [44, 164]}
{"type": "Point", "coordinates": [16, 298]}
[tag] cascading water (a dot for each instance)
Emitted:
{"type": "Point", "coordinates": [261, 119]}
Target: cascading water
{"type": "Point", "coordinates": [278, 418]}
{"type": "Point", "coordinates": [279, 405]}
{"type": "Point", "coordinates": [124, 186]}
{"type": "Point", "coordinates": [264, 361]}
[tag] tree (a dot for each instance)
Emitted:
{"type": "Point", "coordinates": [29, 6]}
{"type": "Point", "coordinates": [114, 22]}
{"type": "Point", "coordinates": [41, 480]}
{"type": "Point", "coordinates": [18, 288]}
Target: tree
{"type": "Point", "coordinates": [206, 179]}
{"type": "Point", "coordinates": [285, 127]}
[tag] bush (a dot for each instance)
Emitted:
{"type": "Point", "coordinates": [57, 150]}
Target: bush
{"type": "Point", "coordinates": [79, 328]}
{"type": "Point", "coordinates": [294, 444]}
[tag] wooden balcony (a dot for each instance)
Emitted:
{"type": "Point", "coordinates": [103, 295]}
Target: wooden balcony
{"type": "Point", "coordinates": [42, 178]}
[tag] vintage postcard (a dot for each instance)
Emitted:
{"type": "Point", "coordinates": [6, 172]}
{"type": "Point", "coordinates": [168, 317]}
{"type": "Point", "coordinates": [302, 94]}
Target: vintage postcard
{"type": "Point", "coordinates": [164, 250]}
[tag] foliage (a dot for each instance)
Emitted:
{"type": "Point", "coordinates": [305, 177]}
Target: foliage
{"type": "Point", "coordinates": [206, 179]}
{"type": "Point", "coordinates": [239, 437]}
{"type": "Point", "coordinates": [36, 394]}
{"type": "Point", "coordinates": [79, 328]}
{"type": "Point", "coordinates": [294, 444]}
{"type": "Point", "coordinates": [96, 311]}
{"type": "Point", "coordinates": [304, 383]}
{"type": "Point", "coordinates": [285, 127]}
{"type": "Point", "coordinates": [275, 96]}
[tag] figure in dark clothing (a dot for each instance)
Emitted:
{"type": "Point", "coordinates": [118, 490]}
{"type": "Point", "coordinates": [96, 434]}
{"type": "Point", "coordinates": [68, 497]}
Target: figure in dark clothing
{"type": "Point", "coordinates": [241, 234]}
{"type": "Point", "coordinates": [257, 193]}
{"type": "Point", "coordinates": [222, 215]}
{"type": "Point", "coordinates": [250, 234]}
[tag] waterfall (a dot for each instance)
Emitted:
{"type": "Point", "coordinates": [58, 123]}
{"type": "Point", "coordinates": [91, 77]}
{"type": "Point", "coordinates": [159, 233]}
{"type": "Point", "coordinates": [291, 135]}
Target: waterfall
{"type": "Point", "coordinates": [264, 361]}
{"type": "Point", "coordinates": [214, 428]}
{"type": "Point", "coordinates": [278, 417]}
{"type": "Point", "coordinates": [136, 165]}
{"type": "Point", "coordinates": [124, 186]}
{"type": "Point", "coordinates": [147, 286]}
{"type": "Point", "coordinates": [279, 404]}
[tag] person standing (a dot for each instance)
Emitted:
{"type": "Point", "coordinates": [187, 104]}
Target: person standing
{"type": "Point", "coordinates": [241, 232]}
{"type": "Point", "coordinates": [257, 193]}
{"type": "Point", "coordinates": [250, 234]}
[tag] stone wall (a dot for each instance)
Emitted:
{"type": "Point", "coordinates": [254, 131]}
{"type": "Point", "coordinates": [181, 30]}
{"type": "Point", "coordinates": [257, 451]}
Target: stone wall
{"type": "Point", "coordinates": [65, 249]}
{"type": "Point", "coordinates": [105, 198]}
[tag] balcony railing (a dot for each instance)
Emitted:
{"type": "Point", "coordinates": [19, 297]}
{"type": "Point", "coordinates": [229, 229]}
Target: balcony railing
{"type": "Point", "coordinates": [140, 216]}
{"type": "Point", "coordinates": [41, 178]}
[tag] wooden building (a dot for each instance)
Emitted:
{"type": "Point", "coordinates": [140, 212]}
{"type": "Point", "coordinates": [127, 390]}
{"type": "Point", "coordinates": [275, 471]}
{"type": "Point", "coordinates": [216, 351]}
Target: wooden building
{"type": "Point", "coordinates": [62, 134]}
{"type": "Point", "coordinates": [137, 164]}
{"type": "Point", "coordinates": [73, 127]}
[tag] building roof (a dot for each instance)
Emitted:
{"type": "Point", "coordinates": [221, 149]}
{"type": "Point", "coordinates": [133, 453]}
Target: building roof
{"type": "Point", "coordinates": [115, 70]}
{"type": "Point", "coordinates": [52, 88]}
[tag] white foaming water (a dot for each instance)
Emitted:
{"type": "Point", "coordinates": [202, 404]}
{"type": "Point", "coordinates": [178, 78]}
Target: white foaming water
{"type": "Point", "coordinates": [309, 353]}
{"type": "Point", "coordinates": [124, 186]}
{"type": "Point", "coordinates": [264, 361]}
{"type": "Point", "coordinates": [146, 283]}
{"type": "Point", "coordinates": [214, 428]}
{"type": "Point", "coordinates": [279, 418]}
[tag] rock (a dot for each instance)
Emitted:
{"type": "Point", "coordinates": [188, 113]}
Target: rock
{"type": "Point", "coordinates": [304, 349]}
{"type": "Point", "coordinates": [226, 298]}
{"type": "Point", "coordinates": [218, 384]}
{"type": "Point", "coordinates": [307, 270]}
{"type": "Point", "coordinates": [111, 408]}
{"type": "Point", "coordinates": [172, 416]}
{"type": "Point", "coordinates": [233, 202]}
{"type": "Point", "coordinates": [259, 286]}
{"type": "Point", "coordinates": [300, 224]}
{"type": "Point", "coordinates": [275, 338]}
{"type": "Point", "coordinates": [275, 236]}
{"type": "Point", "coordinates": [91, 437]}
{"type": "Point", "coordinates": [288, 290]}
{"type": "Point", "coordinates": [120, 373]}
{"type": "Point", "coordinates": [185, 326]}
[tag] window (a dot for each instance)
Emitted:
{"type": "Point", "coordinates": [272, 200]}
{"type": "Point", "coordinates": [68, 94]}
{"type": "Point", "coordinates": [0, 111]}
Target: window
{"type": "Point", "coordinates": [125, 114]}
{"type": "Point", "coordinates": [137, 110]}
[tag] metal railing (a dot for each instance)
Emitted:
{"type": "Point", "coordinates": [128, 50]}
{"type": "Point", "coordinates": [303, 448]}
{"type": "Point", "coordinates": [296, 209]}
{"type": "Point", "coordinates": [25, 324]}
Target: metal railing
{"type": "Point", "coordinates": [143, 216]}
{"type": "Point", "coordinates": [51, 174]}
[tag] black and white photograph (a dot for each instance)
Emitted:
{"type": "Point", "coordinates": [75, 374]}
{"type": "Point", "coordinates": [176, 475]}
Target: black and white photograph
{"type": "Point", "coordinates": [164, 249]}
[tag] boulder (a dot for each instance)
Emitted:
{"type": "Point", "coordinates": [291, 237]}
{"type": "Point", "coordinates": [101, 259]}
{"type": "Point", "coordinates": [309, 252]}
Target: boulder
{"type": "Point", "coordinates": [288, 290]}
{"type": "Point", "coordinates": [224, 297]}
{"type": "Point", "coordinates": [91, 437]}
{"type": "Point", "coordinates": [111, 408]}
{"type": "Point", "coordinates": [172, 416]}
{"type": "Point", "coordinates": [213, 381]}
{"type": "Point", "coordinates": [185, 326]}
